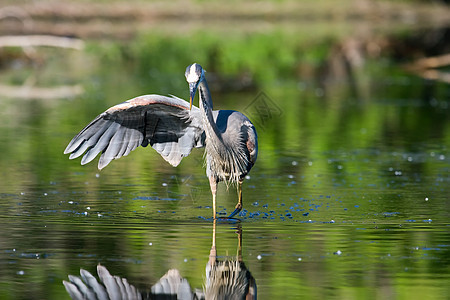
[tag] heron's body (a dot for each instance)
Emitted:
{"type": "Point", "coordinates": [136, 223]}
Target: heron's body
{"type": "Point", "coordinates": [173, 127]}
{"type": "Point", "coordinates": [239, 153]}
{"type": "Point", "coordinates": [231, 142]}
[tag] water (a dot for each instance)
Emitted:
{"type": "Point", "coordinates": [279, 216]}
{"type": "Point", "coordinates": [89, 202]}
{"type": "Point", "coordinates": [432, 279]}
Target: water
{"type": "Point", "coordinates": [348, 198]}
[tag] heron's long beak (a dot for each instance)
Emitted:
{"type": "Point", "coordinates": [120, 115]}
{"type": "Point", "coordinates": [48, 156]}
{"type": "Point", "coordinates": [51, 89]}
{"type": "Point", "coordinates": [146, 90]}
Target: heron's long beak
{"type": "Point", "coordinates": [192, 90]}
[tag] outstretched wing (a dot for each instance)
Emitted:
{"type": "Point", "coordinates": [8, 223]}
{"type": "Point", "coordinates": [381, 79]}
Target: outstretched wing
{"type": "Point", "coordinates": [166, 123]}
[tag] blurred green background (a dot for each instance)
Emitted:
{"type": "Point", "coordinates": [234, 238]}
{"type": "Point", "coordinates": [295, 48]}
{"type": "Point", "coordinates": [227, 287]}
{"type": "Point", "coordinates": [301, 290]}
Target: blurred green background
{"type": "Point", "coordinates": [348, 198]}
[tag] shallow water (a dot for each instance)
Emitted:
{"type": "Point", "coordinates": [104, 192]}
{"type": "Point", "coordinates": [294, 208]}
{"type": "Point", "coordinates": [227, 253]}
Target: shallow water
{"type": "Point", "coordinates": [348, 198]}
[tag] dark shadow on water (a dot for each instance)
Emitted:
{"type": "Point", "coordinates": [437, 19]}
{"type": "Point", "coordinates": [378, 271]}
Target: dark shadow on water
{"type": "Point", "coordinates": [224, 279]}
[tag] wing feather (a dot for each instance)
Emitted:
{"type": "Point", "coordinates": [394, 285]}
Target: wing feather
{"type": "Point", "coordinates": [96, 129]}
{"type": "Point", "coordinates": [165, 123]}
{"type": "Point", "coordinates": [86, 140]}
{"type": "Point", "coordinates": [124, 146]}
{"type": "Point", "coordinates": [116, 143]}
{"type": "Point", "coordinates": [101, 144]}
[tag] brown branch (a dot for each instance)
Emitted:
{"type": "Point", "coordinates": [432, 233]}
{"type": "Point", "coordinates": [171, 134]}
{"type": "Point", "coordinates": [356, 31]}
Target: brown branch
{"type": "Point", "coordinates": [41, 40]}
{"type": "Point", "coordinates": [30, 92]}
{"type": "Point", "coordinates": [432, 62]}
{"type": "Point", "coordinates": [435, 75]}
{"type": "Point", "coordinates": [426, 67]}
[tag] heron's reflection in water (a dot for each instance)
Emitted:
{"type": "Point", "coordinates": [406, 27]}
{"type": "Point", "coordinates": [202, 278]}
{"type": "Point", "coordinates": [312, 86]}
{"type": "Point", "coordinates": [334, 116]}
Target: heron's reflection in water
{"type": "Point", "coordinates": [228, 279]}
{"type": "Point", "coordinates": [225, 279]}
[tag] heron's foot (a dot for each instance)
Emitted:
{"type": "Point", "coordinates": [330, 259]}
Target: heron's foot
{"type": "Point", "coordinates": [236, 210]}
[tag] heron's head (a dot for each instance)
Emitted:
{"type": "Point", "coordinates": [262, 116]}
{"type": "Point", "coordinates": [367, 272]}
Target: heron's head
{"type": "Point", "coordinates": [194, 75]}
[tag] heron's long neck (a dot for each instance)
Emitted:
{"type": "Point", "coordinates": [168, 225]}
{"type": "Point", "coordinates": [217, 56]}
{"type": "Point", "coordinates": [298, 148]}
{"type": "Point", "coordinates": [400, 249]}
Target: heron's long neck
{"type": "Point", "coordinates": [227, 159]}
{"type": "Point", "coordinates": [206, 107]}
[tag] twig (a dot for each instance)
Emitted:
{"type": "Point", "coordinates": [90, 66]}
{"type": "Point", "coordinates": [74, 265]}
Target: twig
{"type": "Point", "coordinates": [432, 62]}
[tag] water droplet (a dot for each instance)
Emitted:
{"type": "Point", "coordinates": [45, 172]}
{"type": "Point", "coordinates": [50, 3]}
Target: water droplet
{"type": "Point", "coordinates": [339, 252]}
{"type": "Point", "coordinates": [299, 259]}
{"type": "Point", "coordinates": [259, 257]}
{"type": "Point", "coordinates": [21, 272]}
{"type": "Point", "coordinates": [294, 163]}
{"type": "Point", "coordinates": [97, 175]}
{"type": "Point", "coordinates": [164, 184]}
{"type": "Point", "coordinates": [150, 244]}
{"type": "Point", "coordinates": [426, 198]}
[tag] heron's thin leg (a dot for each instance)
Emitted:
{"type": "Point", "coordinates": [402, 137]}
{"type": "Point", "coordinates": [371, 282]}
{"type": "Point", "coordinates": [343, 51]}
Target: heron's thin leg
{"type": "Point", "coordinates": [212, 252]}
{"type": "Point", "coordinates": [238, 207]}
{"type": "Point", "coordinates": [214, 206]}
{"type": "Point", "coordinates": [214, 234]}
{"type": "Point", "coordinates": [240, 195]}
{"type": "Point", "coordinates": [239, 232]}
{"type": "Point", "coordinates": [213, 185]}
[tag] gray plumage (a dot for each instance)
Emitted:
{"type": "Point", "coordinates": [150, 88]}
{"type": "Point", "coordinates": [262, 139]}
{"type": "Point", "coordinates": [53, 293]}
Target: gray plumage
{"type": "Point", "coordinates": [173, 127]}
{"type": "Point", "coordinates": [227, 153]}
{"type": "Point", "coordinates": [164, 123]}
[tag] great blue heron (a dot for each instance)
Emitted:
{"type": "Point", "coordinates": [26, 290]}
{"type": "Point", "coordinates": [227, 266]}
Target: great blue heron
{"type": "Point", "coordinates": [172, 126]}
